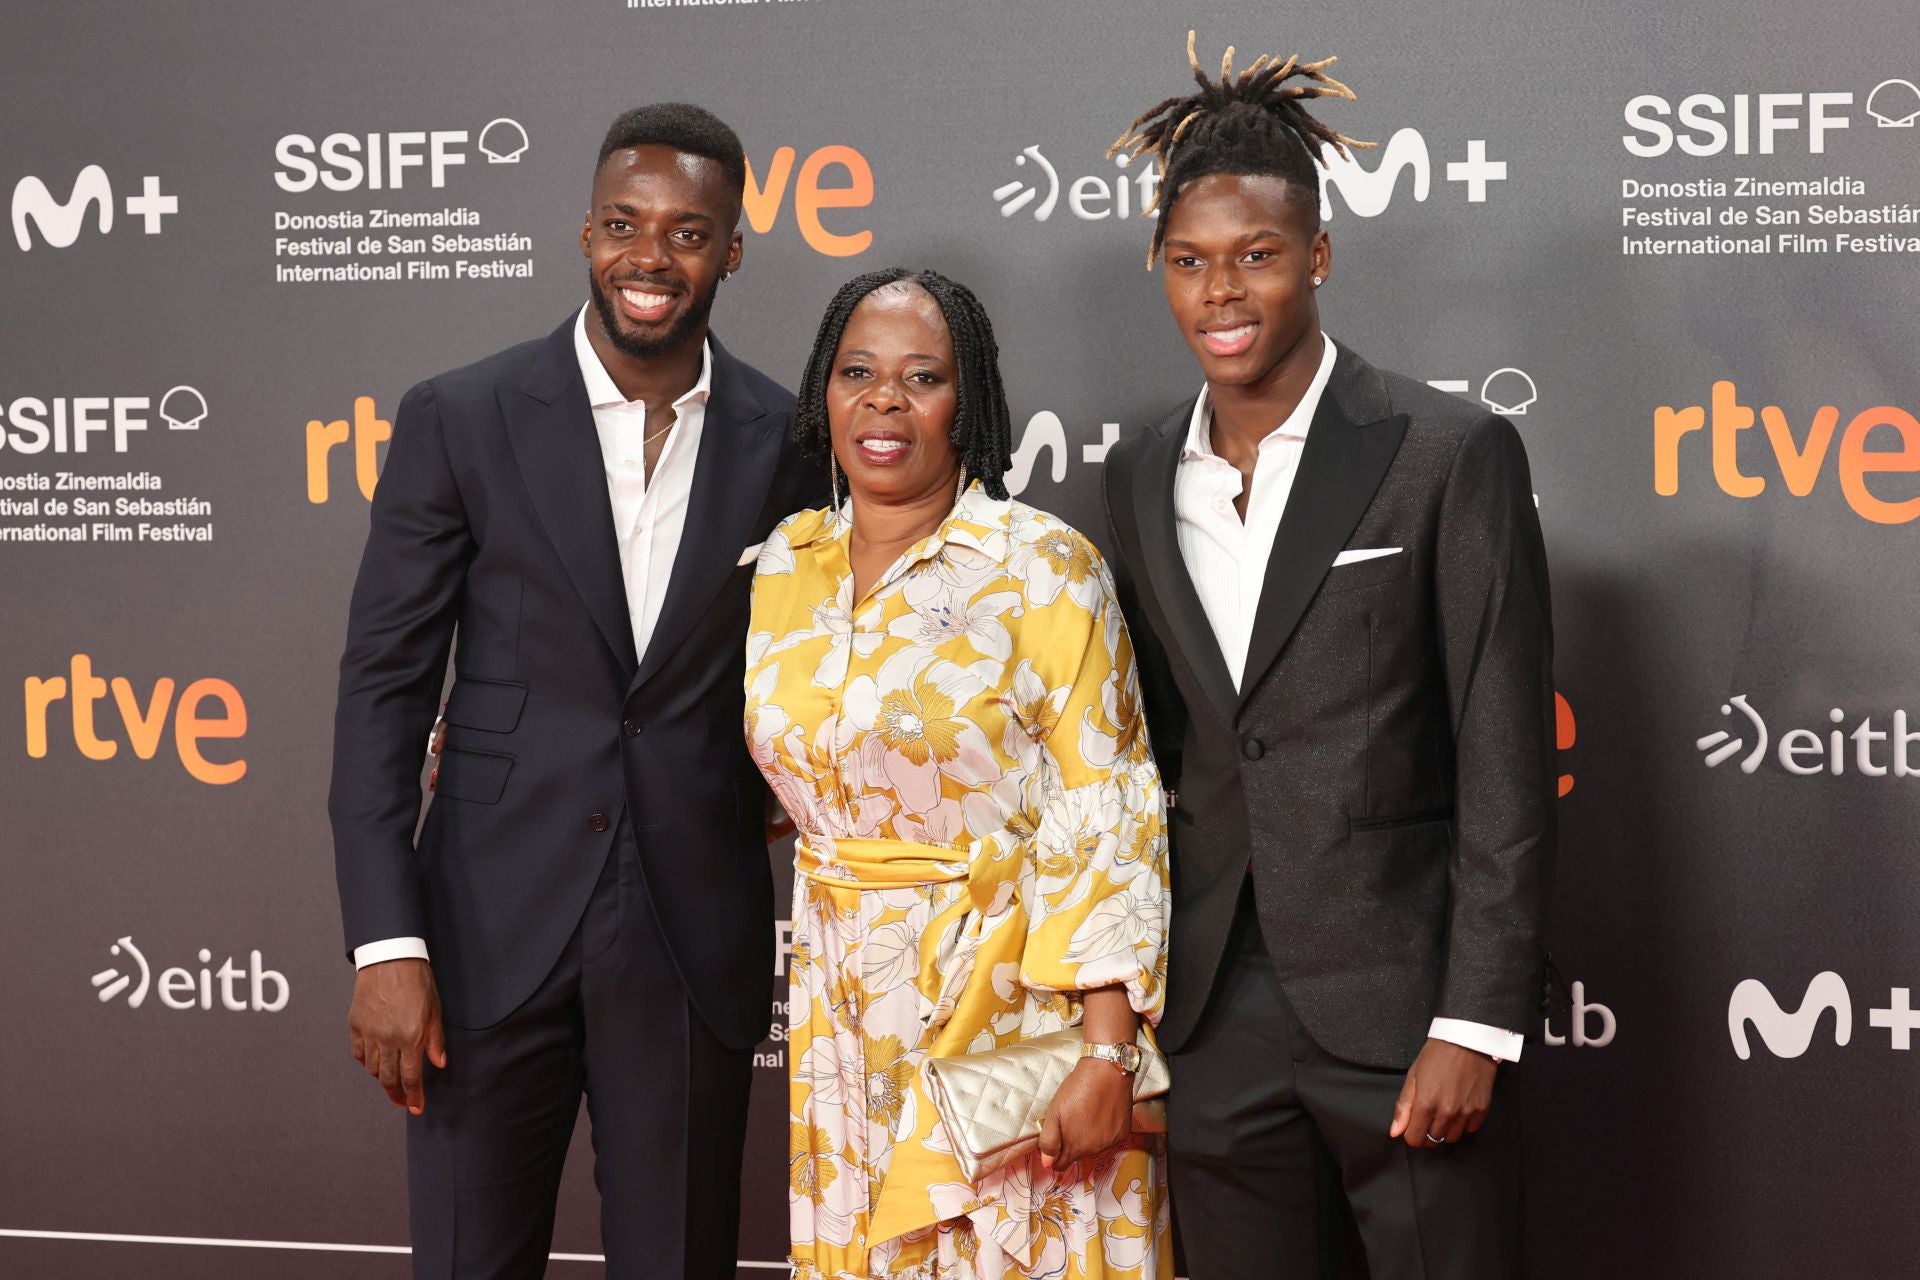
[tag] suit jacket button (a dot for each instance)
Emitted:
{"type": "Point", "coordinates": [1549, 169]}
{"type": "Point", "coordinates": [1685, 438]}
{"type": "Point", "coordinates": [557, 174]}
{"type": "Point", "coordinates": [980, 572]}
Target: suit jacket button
{"type": "Point", "coordinates": [630, 727]}
{"type": "Point", "coordinates": [598, 822]}
{"type": "Point", "coordinates": [1253, 748]}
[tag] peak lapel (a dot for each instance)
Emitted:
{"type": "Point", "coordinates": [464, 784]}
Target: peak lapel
{"type": "Point", "coordinates": [1349, 447]}
{"type": "Point", "coordinates": [550, 427]}
{"type": "Point", "coordinates": [1167, 569]}
{"type": "Point", "coordinates": [739, 452]}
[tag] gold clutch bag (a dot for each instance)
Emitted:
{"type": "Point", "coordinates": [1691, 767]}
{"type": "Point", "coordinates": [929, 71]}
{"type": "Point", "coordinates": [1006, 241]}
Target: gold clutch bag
{"type": "Point", "coordinates": [992, 1102]}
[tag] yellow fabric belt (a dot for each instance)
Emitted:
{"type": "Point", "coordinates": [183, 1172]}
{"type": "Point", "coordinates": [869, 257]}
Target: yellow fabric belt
{"type": "Point", "coordinates": [859, 863]}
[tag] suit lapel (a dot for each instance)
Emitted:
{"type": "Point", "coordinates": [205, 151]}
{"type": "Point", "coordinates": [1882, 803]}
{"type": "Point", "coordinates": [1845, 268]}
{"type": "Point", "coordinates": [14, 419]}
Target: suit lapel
{"type": "Point", "coordinates": [1167, 569]}
{"type": "Point", "coordinates": [739, 454]}
{"type": "Point", "coordinates": [1352, 442]}
{"type": "Point", "coordinates": [550, 427]}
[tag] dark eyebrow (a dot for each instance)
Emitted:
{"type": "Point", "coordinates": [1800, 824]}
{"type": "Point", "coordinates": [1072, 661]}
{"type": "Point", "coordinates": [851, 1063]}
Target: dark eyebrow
{"type": "Point", "coordinates": [678, 215]}
{"type": "Point", "coordinates": [865, 354]}
{"type": "Point", "coordinates": [1265, 233]}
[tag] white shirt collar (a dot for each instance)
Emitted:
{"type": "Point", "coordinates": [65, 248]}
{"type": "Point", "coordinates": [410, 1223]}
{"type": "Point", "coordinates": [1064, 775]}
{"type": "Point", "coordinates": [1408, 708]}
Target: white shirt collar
{"type": "Point", "coordinates": [602, 393]}
{"type": "Point", "coordinates": [1200, 425]}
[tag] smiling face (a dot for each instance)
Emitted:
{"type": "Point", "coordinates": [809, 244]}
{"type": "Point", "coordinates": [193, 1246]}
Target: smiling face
{"type": "Point", "coordinates": [659, 235]}
{"type": "Point", "coordinates": [891, 398]}
{"type": "Point", "coordinates": [1241, 253]}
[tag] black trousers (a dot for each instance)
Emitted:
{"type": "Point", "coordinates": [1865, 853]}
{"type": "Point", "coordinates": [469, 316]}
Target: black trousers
{"type": "Point", "coordinates": [1279, 1150]}
{"type": "Point", "coordinates": [668, 1105]}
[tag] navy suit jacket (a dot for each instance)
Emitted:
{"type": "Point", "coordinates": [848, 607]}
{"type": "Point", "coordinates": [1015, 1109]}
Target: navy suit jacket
{"type": "Point", "coordinates": [492, 522]}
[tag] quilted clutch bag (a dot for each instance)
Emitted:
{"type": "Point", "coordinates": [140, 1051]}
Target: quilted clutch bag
{"type": "Point", "coordinates": [992, 1102]}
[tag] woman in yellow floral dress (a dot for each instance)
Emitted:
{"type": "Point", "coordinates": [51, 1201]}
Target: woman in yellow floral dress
{"type": "Point", "coordinates": [941, 692]}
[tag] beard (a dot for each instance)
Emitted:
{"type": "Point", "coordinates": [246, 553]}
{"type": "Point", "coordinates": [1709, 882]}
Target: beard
{"type": "Point", "coordinates": [692, 321]}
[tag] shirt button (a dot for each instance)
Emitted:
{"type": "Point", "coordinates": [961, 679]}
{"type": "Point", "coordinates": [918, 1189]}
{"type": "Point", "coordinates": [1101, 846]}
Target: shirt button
{"type": "Point", "coordinates": [1253, 748]}
{"type": "Point", "coordinates": [629, 463]}
{"type": "Point", "coordinates": [598, 822]}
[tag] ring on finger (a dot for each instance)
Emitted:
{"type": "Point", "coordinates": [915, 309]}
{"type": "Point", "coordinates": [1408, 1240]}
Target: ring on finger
{"type": "Point", "coordinates": [1438, 1142]}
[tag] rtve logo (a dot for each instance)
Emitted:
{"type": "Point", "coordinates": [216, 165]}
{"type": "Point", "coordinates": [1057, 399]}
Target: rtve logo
{"type": "Point", "coordinates": [64, 424]}
{"type": "Point", "coordinates": [364, 432]}
{"type": "Point", "coordinates": [183, 989]}
{"type": "Point", "coordinates": [1803, 752]}
{"type": "Point", "coordinates": [380, 161]}
{"type": "Point", "coordinates": [762, 200]}
{"type": "Point", "coordinates": [1799, 461]}
{"type": "Point", "coordinates": [1704, 124]}
{"type": "Point", "coordinates": [144, 725]}
{"type": "Point", "coordinates": [60, 222]}
{"type": "Point", "coordinates": [1095, 197]}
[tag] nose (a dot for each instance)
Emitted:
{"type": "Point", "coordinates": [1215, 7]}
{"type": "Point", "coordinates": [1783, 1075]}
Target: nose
{"type": "Point", "coordinates": [1222, 283]}
{"type": "Point", "coordinates": [648, 252]}
{"type": "Point", "coordinates": [884, 395]}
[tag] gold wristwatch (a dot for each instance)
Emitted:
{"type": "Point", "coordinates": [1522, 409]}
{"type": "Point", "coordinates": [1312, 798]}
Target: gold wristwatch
{"type": "Point", "coordinates": [1124, 1056]}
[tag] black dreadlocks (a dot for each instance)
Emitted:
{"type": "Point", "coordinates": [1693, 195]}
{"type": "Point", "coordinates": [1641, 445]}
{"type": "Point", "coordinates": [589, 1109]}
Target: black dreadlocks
{"type": "Point", "coordinates": [982, 431]}
{"type": "Point", "coordinates": [1252, 124]}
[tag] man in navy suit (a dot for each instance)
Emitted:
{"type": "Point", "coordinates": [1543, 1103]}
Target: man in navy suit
{"type": "Point", "coordinates": [588, 907]}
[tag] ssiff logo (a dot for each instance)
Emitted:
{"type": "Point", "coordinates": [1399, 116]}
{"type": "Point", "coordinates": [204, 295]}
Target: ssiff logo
{"type": "Point", "coordinates": [380, 161]}
{"type": "Point", "coordinates": [184, 989]}
{"type": "Point", "coordinates": [60, 222]}
{"type": "Point", "coordinates": [1799, 460]}
{"type": "Point", "coordinates": [1805, 752]}
{"type": "Point", "coordinates": [66, 424]}
{"type": "Point", "coordinates": [1704, 124]}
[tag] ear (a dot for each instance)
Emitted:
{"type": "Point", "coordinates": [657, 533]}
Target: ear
{"type": "Point", "coordinates": [735, 246]}
{"type": "Point", "coordinates": [1322, 255]}
{"type": "Point", "coordinates": [586, 235]}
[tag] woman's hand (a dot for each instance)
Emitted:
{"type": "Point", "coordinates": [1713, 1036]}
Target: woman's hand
{"type": "Point", "coordinates": [1092, 1113]}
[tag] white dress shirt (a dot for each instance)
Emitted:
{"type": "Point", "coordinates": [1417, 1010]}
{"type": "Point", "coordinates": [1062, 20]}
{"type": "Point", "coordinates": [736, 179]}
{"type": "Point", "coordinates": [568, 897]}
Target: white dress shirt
{"type": "Point", "coordinates": [648, 515]}
{"type": "Point", "coordinates": [1226, 556]}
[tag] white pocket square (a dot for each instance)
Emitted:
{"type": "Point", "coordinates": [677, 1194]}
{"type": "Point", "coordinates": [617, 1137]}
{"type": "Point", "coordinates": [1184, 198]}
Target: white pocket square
{"type": "Point", "coordinates": [1357, 555]}
{"type": "Point", "coordinates": [748, 556]}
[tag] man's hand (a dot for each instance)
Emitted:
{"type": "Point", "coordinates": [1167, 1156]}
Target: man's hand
{"type": "Point", "coordinates": [1092, 1113]}
{"type": "Point", "coordinates": [1447, 1093]}
{"type": "Point", "coordinates": [394, 1024]}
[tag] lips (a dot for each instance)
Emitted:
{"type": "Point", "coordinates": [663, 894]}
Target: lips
{"type": "Point", "coordinates": [882, 448]}
{"type": "Point", "coordinates": [1230, 342]}
{"type": "Point", "coordinates": [646, 304]}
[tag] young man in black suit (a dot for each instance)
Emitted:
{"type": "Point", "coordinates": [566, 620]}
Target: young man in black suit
{"type": "Point", "coordinates": [588, 908]}
{"type": "Point", "coordinates": [1336, 581]}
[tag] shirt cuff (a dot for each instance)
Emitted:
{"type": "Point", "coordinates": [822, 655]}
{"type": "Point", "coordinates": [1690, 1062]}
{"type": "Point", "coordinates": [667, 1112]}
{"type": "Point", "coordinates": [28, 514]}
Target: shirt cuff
{"type": "Point", "coordinates": [1479, 1037]}
{"type": "Point", "coordinates": [389, 949]}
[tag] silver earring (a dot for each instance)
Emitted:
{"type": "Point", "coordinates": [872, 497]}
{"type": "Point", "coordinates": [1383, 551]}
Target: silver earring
{"type": "Point", "coordinates": [726, 275]}
{"type": "Point", "coordinates": [833, 477]}
{"type": "Point", "coordinates": [960, 492]}
{"type": "Point", "coordinates": [1316, 282]}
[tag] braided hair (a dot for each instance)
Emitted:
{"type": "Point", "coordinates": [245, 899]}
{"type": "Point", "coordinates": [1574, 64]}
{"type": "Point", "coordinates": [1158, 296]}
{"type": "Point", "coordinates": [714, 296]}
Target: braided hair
{"type": "Point", "coordinates": [982, 432]}
{"type": "Point", "coordinates": [1253, 123]}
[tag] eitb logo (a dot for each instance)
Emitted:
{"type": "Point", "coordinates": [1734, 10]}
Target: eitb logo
{"type": "Point", "coordinates": [255, 988]}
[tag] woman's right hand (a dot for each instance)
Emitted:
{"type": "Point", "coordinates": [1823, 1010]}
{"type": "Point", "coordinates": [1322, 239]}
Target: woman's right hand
{"type": "Point", "coordinates": [1092, 1114]}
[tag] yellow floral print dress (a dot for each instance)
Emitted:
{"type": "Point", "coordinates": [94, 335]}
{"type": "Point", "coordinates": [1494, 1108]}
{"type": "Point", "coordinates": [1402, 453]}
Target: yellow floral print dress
{"type": "Point", "coordinates": [981, 838]}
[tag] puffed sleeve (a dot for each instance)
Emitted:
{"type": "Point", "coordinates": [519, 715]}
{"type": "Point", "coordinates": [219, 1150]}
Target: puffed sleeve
{"type": "Point", "coordinates": [1095, 887]}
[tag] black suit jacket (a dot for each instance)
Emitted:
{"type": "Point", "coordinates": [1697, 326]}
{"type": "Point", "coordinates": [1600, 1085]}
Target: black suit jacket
{"type": "Point", "coordinates": [492, 518]}
{"type": "Point", "coordinates": [1387, 767]}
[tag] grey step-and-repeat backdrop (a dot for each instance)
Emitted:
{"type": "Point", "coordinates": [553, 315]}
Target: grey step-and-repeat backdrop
{"type": "Point", "coordinates": [1679, 243]}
